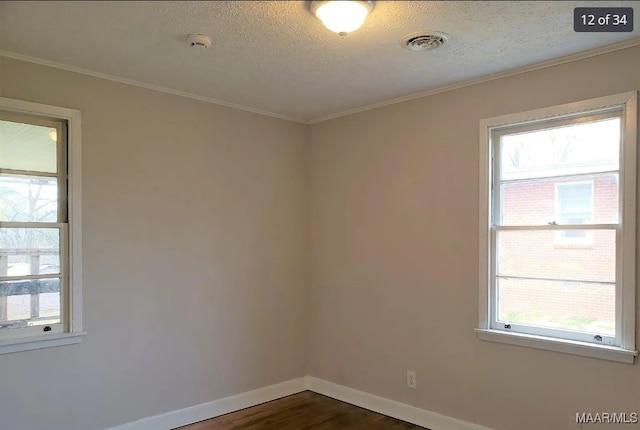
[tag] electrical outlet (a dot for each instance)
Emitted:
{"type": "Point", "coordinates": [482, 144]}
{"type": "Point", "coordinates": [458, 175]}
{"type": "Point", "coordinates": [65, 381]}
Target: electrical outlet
{"type": "Point", "coordinates": [412, 379]}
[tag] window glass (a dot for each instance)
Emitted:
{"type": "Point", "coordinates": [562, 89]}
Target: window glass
{"type": "Point", "coordinates": [564, 305]}
{"type": "Point", "coordinates": [544, 201]}
{"type": "Point", "coordinates": [31, 302]}
{"type": "Point", "coordinates": [28, 147]}
{"type": "Point", "coordinates": [567, 150]}
{"type": "Point", "coordinates": [535, 254]}
{"type": "Point", "coordinates": [28, 198]}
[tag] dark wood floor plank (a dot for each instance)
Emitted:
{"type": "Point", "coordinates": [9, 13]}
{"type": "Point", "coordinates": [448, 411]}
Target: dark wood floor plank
{"type": "Point", "coordinates": [303, 411]}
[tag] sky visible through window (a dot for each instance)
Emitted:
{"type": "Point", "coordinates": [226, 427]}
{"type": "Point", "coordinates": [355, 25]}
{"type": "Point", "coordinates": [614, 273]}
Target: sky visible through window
{"type": "Point", "coordinates": [571, 149]}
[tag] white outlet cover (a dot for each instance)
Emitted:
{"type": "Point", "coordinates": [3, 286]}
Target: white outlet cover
{"type": "Point", "coordinates": [412, 380]}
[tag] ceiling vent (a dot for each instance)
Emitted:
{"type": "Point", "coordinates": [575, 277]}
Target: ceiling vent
{"type": "Point", "coordinates": [424, 41]}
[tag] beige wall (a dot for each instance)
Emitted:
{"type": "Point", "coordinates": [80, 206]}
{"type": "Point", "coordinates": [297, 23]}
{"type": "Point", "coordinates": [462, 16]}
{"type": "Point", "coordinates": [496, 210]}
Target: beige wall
{"type": "Point", "coordinates": [394, 258]}
{"type": "Point", "coordinates": [201, 209]}
{"type": "Point", "coordinates": [195, 221]}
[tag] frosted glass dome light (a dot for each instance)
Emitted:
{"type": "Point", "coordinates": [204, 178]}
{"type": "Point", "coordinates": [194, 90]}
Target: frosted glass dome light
{"type": "Point", "coordinates": [342, 16]}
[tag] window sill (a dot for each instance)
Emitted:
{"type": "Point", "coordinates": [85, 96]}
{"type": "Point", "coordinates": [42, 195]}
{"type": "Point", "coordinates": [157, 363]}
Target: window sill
{"type": "Point", "coordinates": [603, 352]}
{"type": "Point", "coordinates": [26, 344]}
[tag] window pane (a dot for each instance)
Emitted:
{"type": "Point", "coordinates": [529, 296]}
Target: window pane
{"type": "Point", "coordinates": [50, 305]}
{"type": "Point", "coordinates": [574, 200]}
{"type": "Point", "coordinates": [19, 306]}
{"type": "Point", "coordinates": [574, 197]}
{"type": "Point", "coordinates": [28, 198]}
{"type": "Point", "coordinates": [27, 147]}
{"type": "Point", "coordinates": [30, 251]}
{"type": "Point", "coordinates": [572, 306]}
{"type": "Point", "coordinates": [586, 147]}
{"type": "Point", "coordinates": [546, 254]}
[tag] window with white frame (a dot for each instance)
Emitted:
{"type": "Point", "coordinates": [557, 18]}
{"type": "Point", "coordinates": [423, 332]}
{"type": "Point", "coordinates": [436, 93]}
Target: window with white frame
{"type": "Point", "coordinates": [558, 176]}
{"type": "Point", "coordinates": [40, 259]}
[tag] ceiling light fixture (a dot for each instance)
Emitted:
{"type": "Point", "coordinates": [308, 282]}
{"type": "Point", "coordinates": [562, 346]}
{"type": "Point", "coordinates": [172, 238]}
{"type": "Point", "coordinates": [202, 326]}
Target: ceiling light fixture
{"type": "Point", "coordinates": [342, 16]}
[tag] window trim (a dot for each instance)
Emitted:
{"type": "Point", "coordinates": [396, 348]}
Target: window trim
{"type": "Point", "coordinates": [625, 301]}
{"type": "Point", "coordinates": [73, 322]}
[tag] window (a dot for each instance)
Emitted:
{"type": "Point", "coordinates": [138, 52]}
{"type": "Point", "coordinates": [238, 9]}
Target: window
{"type": "Point", "coordinates": [40, 260]}
{"type": "Point", "coordinates": [557, 228]}
{"type": "Point", "coordinates": [574, 205]}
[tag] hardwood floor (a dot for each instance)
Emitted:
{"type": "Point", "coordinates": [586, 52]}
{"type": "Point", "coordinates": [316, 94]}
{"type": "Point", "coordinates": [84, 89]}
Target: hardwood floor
{"type": "Point", "coordinates": [303, 411]}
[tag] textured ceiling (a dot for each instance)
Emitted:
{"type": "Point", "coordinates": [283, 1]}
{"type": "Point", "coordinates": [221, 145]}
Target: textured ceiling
{"type": "Point", "coordinates": [276, 57]}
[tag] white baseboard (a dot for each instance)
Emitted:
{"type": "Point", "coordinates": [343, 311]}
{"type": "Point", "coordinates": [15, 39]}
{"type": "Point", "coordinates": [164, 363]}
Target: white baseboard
{"type": "Point", "coordinates": [401, 411]}
{"type": "Point", "coordinates": [193, 414]}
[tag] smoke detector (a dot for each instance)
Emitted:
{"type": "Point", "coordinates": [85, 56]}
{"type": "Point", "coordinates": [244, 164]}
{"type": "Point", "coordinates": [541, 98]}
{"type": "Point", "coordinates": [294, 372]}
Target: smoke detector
{"type": "Point", "coordinates": [424, 41]}
{"type": "Point", "coordinates": [199, 40]}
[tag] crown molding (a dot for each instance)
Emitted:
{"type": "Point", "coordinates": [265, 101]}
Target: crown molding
{"type": "Point", "coordinates": [524, 69]}
{"type": "Point", "coordinates": [519, 70]}
{"type": "Point", "coordinates": [148, 86]}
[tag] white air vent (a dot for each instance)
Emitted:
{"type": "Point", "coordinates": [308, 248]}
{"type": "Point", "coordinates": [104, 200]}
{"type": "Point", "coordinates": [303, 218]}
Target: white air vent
{"type": "Point", "coordinates": [424, 41]}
